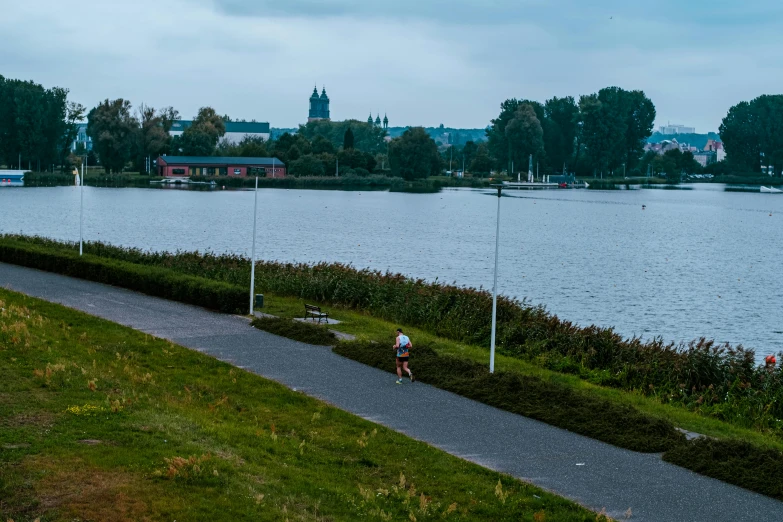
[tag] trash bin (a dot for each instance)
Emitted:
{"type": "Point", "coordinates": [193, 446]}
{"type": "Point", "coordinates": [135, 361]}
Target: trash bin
{"type": "Point", "coordinates": [259, 301]}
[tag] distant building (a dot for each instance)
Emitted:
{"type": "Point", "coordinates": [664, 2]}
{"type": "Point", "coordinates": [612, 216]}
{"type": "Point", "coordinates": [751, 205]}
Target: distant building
{"type": "Point", "coordinates": [676, 129]}
{"type": "Point", "coordinates": [663, 146]}
{"type": "Point", "coordinates": [705, 157]}
{"type": "Point", "coordinates": [184, 166]}
{"type": "Point", "coordinates": [319, 106]}
{"type": "Point", "coordinates": [236, 131]}
{"type": "Point", "coordinates": [81, 138]}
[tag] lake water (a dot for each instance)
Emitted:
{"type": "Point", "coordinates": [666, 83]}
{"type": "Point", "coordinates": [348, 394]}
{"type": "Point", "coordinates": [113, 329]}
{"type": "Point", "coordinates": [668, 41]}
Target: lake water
{"type": "Point", "coordinates": [700, 262]}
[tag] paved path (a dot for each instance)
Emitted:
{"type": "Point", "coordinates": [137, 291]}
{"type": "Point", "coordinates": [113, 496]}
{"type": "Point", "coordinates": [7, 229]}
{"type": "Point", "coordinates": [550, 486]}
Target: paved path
{"type": "Point", "coordinates": [610, 477]}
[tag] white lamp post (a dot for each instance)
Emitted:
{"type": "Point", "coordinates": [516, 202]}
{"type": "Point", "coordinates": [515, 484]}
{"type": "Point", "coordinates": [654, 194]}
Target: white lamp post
{"type": "Point", "coordinates": [81, 209]}
{"type": "Point", "coordinates": [495, 289]}
{"type": "Point", "coordinates": [253, 251]}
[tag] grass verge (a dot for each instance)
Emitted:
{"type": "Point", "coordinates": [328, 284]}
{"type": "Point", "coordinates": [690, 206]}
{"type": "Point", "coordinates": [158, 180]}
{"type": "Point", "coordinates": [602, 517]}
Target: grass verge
{"type": "Point", "coordinates": [296, 330]}
{"type": "Point", "coordinates": [103, 422]}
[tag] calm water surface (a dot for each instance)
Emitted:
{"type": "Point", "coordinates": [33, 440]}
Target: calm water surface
{"type": "Point", "coordinates": [701, 262]}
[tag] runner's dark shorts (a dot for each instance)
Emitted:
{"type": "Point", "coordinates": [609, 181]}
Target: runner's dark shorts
{"type": "Point", "coordinates": [403, 359]}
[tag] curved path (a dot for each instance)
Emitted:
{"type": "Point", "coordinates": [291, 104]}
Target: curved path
{"type": "Point", "coordinates": [592, 473]}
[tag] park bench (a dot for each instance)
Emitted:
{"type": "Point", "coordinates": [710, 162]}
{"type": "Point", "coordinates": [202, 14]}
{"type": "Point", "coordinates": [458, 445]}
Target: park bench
{"type": "Point", "coordinates": [316, 313]}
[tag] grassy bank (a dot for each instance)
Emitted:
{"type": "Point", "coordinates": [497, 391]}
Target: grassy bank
{"type": "Point", "coordinates": [592, 362]}
{"type": "Point", "coordinates": [102, 422]}
{"type": "Point", "coordinates": [716, 381]}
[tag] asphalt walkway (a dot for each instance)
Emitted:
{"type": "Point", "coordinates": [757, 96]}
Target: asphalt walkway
{"type": "Point", "coordinates": [592, 473]}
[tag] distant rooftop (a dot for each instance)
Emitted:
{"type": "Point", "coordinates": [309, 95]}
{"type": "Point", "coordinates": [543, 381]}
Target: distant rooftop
{"type": "Point", "coordinates": [219, 160]}
{"type": "Point", "coordinates": [245, 127]}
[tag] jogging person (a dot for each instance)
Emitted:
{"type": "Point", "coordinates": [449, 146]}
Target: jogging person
{"type": "Point", "coordinates": [402, 347]}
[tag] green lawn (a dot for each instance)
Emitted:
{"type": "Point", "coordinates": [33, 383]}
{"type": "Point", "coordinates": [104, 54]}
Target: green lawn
{"type": "Point", "coordinates": [371, 328]}
{"type": "Point", "coordinates": [101, 422]}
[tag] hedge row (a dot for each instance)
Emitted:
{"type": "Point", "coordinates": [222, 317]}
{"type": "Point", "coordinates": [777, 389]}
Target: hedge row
{"type": "Point", "coordinates": [532, 397]}
{"type": "Point", "coordinates": [733, 461]}
{"type": "Point", "coordinates": [149, 280]}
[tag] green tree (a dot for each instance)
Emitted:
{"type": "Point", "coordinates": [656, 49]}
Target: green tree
{"type": "Point", "coordinates": [497, 139]}
{"type": "Point", "coordinates": [614, 126]}
{"type": "Point", "coordinates": [640, 118]}
{"type": "Point", "coordinates": [367, 137]}
{"type": "Point", "coordinates": [414, 155]}
{"type": "Point", "coordinates": [201, 138]}
{"type": "Point", "coordinates": [561, 124]}
{"type": "Point", "coordinates": [468, 152]}
{"type": "Point", "coordinates": [153, 138]}
{"type": "Point", "coordinates": [35, 122]}
{"type": "Point", "coordinates": [321, 145]}
{"type": "Point", "coordinates": [481, 164]}
{"type": "Point", "coordinates": [752, 134]}
{"type": "Point", "coordinates": [308, 165]}
{"type": "Point", "coordinates": [524, 135]}
{"type": "Point", "coordinates": [347, 139]}
{"type": "Point", "coordinates": [113, 130]}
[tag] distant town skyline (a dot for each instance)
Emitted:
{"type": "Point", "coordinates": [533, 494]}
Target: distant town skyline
{"type": "Point", "coordinates": [425, 63]}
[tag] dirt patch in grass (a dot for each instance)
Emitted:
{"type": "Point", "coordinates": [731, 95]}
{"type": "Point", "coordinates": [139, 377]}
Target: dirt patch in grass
{"type": "Point", "coordinates": [43, 419]}
{"type": "Point", "coordinates": [296, 330]}
{"type": "Point", "coordinates": [76, 490]}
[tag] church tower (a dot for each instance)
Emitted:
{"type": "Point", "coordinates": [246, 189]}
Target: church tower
{"type": "Point", "coordinates": [319, 106]}
{"type": "Point", "coordinates": [385, 122]}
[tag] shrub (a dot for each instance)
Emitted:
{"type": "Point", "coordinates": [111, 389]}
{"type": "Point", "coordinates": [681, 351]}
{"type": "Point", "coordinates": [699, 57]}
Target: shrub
{"type": "Point", "coordinates": [150, 280]}
{"type": "Point", "coordinates": [555, 404]}
{"type": "Point", "coordinates": [296, 330]}
{"type": "Point", "coordinates": [733, 461]}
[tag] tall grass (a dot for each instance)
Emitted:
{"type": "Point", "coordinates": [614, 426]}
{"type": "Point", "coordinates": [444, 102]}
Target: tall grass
{"type": "Point", "coordinates": [713, 379]}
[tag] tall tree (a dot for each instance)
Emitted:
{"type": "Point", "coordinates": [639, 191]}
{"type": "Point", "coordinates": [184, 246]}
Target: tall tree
{"type": "Point", "coordinates": [524, 135]}
{"type": "Point", "coordinates": [414, 155]}
{"type": "Point", "coordinates": [739, 131]}
{"type": "Point", "coordinates": [497, 139]}
{"type": "Point", "coordinates": [113, 130]}
{"type": "Point", "coordinates": [640, 118]}
{"type": "Point", "coordinates": [468, 152]}
{"type": "Point", "coordinates": [561, 125]}
{"type": "Point", "coordinates": [752, 133]}
{"type": "Point", "coordinates": [348, 139]}
{"type": "Point", "coordinates": [153, 138]}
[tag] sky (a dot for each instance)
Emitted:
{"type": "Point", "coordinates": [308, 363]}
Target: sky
{"type": "Point", "coordinates": [422, 62]}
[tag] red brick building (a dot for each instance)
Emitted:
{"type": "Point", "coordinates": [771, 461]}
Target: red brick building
{"type": "Point", "coordinates": [186, 166]}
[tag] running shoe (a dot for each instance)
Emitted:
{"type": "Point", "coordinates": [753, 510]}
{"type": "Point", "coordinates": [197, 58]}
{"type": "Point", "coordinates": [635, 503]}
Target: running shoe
{"type": "Point", "coordinates": [398, 381]}
{"type": "Point", "coordinates": [411, 376]}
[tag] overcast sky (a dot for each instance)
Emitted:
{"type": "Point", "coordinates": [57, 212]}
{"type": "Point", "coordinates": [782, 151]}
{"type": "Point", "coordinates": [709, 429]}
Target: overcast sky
{"type": "Point", "coordinates": [424, 62]}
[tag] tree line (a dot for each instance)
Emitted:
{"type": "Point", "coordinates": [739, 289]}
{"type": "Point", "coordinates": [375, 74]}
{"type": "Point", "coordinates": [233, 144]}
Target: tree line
{"type": "Point", "coordinates": [603, 133]}
{"type": "Point", "coordinates": [37, 125]}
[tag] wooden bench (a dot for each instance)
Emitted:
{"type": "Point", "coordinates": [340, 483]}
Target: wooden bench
{"type": "Point", "coordinates": [316, 313]}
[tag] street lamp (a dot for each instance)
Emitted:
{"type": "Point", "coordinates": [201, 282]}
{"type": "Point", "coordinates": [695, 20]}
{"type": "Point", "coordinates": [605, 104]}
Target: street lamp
{"type": "Point", "coordinates": [81, 207]}
{"type": "Point", "coordinates": [495, 287]}
{"type": "Point", "coordinates": [253, 251]}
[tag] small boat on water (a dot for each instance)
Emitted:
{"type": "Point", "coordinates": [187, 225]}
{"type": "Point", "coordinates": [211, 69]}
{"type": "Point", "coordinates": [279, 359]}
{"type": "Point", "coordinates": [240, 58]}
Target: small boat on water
{"type": "Point", "coordinates": [771, 190]}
